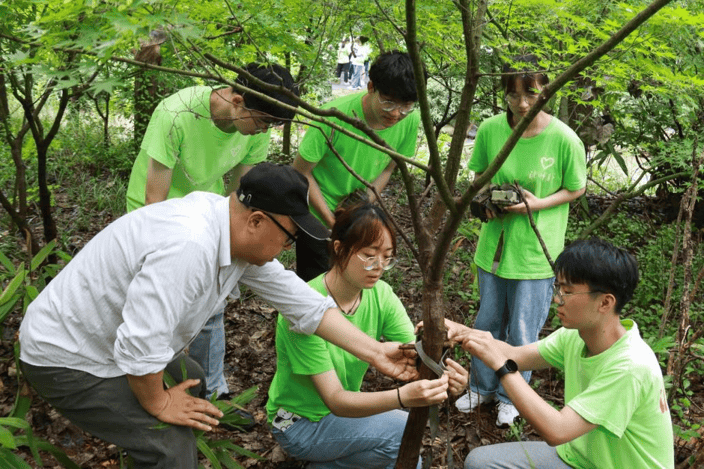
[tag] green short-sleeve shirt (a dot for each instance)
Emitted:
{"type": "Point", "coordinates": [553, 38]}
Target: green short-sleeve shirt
{"type": "Point", "coordinates": [622, 391]}
{"type": "Point", "coordinates": [544, 164]}
{"type": "Point", "coordinates": [298, 356]}
{"type": "Point", "coordinates": [182, 136]}
{"type": "Point", "coordinates": [334, 180]}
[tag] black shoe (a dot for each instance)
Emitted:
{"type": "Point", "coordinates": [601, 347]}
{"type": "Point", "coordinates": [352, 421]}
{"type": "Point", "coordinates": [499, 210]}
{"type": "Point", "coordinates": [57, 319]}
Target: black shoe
{"type": "Point", "coordinates": [235, 419]}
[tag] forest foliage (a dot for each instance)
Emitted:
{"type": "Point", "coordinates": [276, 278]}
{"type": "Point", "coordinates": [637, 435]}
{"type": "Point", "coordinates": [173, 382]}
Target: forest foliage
{"type": "Point", "coordinates": [639, 108]}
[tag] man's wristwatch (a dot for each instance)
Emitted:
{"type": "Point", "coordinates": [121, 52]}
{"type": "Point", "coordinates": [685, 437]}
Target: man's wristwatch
{"type": "Point", "coordinates": [509, 367]}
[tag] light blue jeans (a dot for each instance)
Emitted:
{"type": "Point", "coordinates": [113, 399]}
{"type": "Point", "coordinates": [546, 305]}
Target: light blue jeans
{"type": "Point", "coordinates": [516, 455]}
{"type": "Point", "coordinates": [208, 350]}
{"type": "Point", "coordinates": [339, 442]}
{"type": "Point", "coordinates": [357, 76]}
{"type": "Point", "coordinates": [513, 311]}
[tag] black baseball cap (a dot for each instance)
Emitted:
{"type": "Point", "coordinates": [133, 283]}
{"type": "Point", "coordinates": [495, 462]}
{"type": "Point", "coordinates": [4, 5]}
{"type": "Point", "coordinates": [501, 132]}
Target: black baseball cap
{"type": "Point", "coordinates": [280, 189]}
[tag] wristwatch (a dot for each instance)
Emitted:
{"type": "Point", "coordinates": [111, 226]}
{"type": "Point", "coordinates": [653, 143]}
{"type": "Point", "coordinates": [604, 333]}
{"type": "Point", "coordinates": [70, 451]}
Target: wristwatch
{"type": "Point", "coordinates": [509, 367]}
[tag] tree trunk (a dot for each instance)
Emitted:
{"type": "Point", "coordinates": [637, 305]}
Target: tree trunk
{"type": "Point", "coordinates": [434, 335]}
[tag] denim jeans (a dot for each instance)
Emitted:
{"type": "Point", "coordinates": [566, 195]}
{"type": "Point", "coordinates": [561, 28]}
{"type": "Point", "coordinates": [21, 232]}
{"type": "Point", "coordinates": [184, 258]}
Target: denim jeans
{"type": "Point", "coordinates": [357, 76]}
{"type": "Point", "coordinates": [515, 455]}
{"type": "Point", "coordinates": [513, 311]}
{"type": "Point", "coordinates": [208, 350]}
{"type": "Point", "coordinates": [339, 442]}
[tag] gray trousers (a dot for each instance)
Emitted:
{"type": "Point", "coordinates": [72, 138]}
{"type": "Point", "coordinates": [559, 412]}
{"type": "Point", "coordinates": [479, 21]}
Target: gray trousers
{"type": "Point", "coordinates": [515, 455]}
{"type": "Point", "coordinates": [109, 410]}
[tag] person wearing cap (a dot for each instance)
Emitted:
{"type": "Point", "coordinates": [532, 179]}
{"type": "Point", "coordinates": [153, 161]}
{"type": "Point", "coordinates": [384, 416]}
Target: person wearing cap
{"type": "Point", "coordinates": [387, 107]}
{"type": "Point", "coordinates": [194, 137]}
{"type": "Point", "coordinates": [96, 342]}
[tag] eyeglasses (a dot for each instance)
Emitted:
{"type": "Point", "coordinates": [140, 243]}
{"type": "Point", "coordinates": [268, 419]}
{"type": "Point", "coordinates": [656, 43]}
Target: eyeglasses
{"type": "Point", "coordinates": [263, 120]}
{"type": "Point", "coordinates": [291, 237]}
{"type": "Point", "coordinates": [373, 262]}
{"type": "Point", "coordinates": [390, 106]}
{"type": "Point", "coordinates": [513, 98]}
{"type": "Point", "coordinates": [557, 293]}
{"type": "Point", "coordinates": [268, 124]}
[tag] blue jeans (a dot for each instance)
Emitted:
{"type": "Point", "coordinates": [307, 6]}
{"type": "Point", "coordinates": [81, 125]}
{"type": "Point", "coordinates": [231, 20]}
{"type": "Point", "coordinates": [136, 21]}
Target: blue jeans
{"type": "Point", "coordinates": [516, 455]}
{"type": "Point", "coordinates": [339, 442]}
{"type": "Point", "coordinates": [357, 76]}
{"type": "Point", "coordinates": [513, 311]}
{"type": "Point", "coordinates": [208, 350]}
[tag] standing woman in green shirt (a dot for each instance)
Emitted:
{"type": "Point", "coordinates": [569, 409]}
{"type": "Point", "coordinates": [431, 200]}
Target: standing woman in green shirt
{"type": "Point", "coordinates": [315, 409]}
{"type": "Point", "coordinates": [515, 278]}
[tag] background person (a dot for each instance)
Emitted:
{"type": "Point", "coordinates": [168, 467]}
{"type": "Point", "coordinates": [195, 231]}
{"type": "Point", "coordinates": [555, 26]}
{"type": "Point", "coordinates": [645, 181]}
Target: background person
{"type": "Point", "coordinates": [315, 409]}
{"type": "Point", "coordinates": [96, 341]}
{"type": "Point", "coordinates": [360, 54]}
{"type": "Point", "coordinates": [387, 107]}
{"type": "Point", "coordinates": [194, 138]}
{"type": "Point", "coordinates": [515, 278]}
{"type": "Point", "coordinates": [615, 414]}
{"type": "Point", "coordinates": [343, 62]}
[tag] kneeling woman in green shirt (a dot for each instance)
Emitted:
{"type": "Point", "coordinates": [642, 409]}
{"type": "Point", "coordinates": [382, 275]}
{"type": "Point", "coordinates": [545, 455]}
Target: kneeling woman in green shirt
{"type": "Point", "coordinates": [315, 409]}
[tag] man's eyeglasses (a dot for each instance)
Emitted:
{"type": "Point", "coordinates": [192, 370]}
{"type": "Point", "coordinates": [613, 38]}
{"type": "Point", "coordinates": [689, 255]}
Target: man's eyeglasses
{"type": "Point", "coordinates": [390, 106]}
{"type": "Point", "coordinates": [291, 237]}
{"type": "Point", "coordinates": [263, 120]}
{"type": "Point", "coordinates": [373, 262]}
{"type": "Point", "coordinates": [268, 124]}
{"type": "Point", "coordinates": [557, 293]}
{"type": "Point", "coordinates": [514, 98]}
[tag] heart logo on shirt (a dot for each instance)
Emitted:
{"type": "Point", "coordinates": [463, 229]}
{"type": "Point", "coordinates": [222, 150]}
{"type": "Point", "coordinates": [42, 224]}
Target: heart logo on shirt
{"type": "Point", "coordinates": [547, 162]}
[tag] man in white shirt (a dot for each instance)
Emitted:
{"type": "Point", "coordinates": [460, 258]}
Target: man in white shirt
{"type": "Point", "coordinates": [96, 341]}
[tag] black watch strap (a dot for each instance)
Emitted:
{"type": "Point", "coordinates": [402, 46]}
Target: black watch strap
{"type": "Point", "coordinates": [509, 367]}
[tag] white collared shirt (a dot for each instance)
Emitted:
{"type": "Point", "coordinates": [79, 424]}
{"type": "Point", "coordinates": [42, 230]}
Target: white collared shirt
{"type": "Point", "coordinates": [139, 292]}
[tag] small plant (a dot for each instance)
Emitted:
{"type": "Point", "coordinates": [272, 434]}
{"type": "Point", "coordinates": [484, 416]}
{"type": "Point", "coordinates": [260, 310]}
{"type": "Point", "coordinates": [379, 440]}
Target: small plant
{"type": "Point", "coordinates": [24, 283]}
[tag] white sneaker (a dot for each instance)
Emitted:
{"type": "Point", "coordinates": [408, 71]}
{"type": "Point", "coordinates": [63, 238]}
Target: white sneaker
{"type": "Point", "coordinates": [507, 414]}
{"type": "Point", "coordinates": [471, 400]}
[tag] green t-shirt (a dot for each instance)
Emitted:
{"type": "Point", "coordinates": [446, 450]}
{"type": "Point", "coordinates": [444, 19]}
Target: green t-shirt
{"type": "Point", "coordinates": [622, 391]}
{"type": "Point", "coordinates": [182, 136]}
{"type": "Point", "coordinates": [544, 164]}
{"type": "Point", "coordinates": [334, 180]}
{"type": "Point", "coordinates": [380, 314]}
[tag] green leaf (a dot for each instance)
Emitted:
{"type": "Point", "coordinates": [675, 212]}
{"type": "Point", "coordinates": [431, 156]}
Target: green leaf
{"type": "Point", "coordinates": [42, 255]}
{"type": "Point", "coordinates": [32, 292]}
{"type": "Point", "coordinates": [7, 440]}
{"type": "Point", "coordinates": [7, 263]}
{"type": "Point", "coordinates": [619, 159]}
{"type": "Point", "coordinates": [208, 453]}
{"type": "Point", "coordinates": [11, 461]}
{"type": "Point", "coordinates": [12, 287]}
{"type": "Point", "coordinates": [8, 307]}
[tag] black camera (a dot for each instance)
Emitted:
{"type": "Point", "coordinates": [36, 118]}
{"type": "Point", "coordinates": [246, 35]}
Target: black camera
{"type": "Point", "coordinates": [494, 198]}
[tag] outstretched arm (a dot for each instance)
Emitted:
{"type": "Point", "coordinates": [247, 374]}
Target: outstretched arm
{"type": "Point", "coordinates": [158, 182]}
{"type": "Point", "coordinates": [345, 403]}
{"type": "Point", "coordinates": [385, 357]}
{"type": "Point", "coordinates": [381, 180]}
{"type": "Point", "coordinates": [315, 195]}
{"type": "Point", "coordinates": [555, 426]}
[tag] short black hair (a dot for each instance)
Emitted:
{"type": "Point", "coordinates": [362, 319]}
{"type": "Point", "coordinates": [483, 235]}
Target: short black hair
{"type": "Point", "coordinates": [272, 74]}
{"type": "Point", "coordinates": [392, 74]}
{"type": "Point", "coordinates": [601, 265]}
